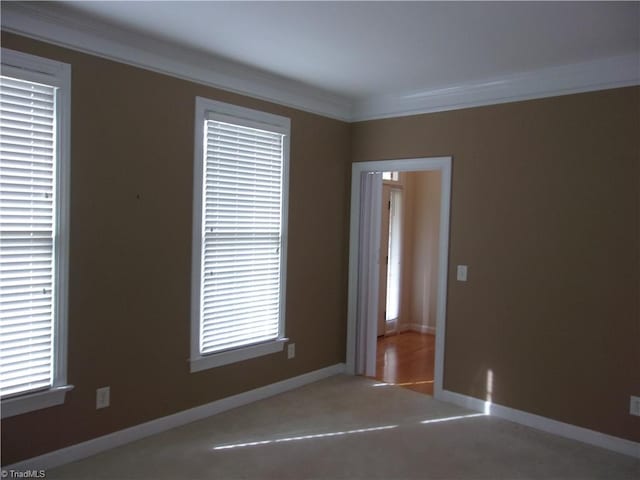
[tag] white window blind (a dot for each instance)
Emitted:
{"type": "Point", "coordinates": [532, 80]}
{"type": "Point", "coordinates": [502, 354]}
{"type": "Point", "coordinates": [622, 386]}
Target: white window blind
{"type": "Point", "coordinates": [240, 298]}
{"type": "Point", "coordinates": [27, 211]}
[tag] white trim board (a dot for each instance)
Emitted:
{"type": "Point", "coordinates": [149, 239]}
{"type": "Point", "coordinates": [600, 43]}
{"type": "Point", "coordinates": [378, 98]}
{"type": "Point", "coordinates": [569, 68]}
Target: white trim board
{"type": "Point", "coordinates": [53, 24]}
{"type": "Point", "coordinates": [418, 327]}
{"type": "Point", "coordinates": [603, 74]}
{"type": "Point", "coordinates": [137, 432]}
{"type": "Point", "coordinates": [598, 439]}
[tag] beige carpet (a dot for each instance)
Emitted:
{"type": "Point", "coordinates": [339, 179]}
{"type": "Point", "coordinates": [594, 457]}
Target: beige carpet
{"type": "Point", "coordinates": [345, 427]}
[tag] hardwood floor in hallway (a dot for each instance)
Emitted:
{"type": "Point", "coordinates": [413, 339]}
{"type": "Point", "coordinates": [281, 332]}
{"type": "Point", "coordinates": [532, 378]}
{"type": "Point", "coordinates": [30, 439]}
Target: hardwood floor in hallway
{"type": "Point", "coordinates": [407, 360]}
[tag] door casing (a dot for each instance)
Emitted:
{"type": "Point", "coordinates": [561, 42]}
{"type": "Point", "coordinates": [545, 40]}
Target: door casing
{"type": "Point", "coordinates": [443, 165]}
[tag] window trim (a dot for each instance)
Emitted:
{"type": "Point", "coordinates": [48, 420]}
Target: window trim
{"type": "Point", "coordinates": [206, 108]}
{"type": "Point", "coordinates": [42, 70]}
{"type": "Point", "coordinates": [391, 181]}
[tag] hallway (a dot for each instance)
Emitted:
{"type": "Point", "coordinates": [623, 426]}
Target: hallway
{"type": "Point", "coordinates": [407, 360]}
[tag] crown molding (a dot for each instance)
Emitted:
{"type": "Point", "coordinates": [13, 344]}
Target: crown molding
{"type": "Point", "coordinates": [58, 25]}
{"type": "Point", "coordinates": [612, 72]}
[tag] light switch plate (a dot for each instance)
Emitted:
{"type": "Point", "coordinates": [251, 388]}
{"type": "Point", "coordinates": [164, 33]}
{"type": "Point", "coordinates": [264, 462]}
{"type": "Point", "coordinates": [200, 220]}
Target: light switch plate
{"type": "Point", "coordinates": [102, 397]}
{"type": "Point", "coordinates": [291, 351]}
{"type": "Point", "coordinates": [462, 273]}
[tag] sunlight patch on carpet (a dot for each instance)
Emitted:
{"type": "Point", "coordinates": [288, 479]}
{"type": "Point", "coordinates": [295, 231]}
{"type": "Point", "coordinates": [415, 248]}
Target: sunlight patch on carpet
{"type": "Point", "coordinates": [388, 384]}
{"type": "Point", "coordinates": [304, 437]}
{"type": "Point", "coordinates": [449, 419]}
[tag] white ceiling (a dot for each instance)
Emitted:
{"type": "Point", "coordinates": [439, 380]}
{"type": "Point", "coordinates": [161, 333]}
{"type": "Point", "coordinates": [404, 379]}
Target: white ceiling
{"type": "Point", "coordinates": [364, 51]}
{"type": "Point", "coordinates": [361, 49]}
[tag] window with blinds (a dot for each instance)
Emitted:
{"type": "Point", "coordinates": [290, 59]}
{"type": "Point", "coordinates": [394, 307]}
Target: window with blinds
{"type": "Point", "coordinates": [27, 208]}
{"type": "Point", "coordinates": [32, 261]}
{"type": "Point", "coordinates": [242, 200]}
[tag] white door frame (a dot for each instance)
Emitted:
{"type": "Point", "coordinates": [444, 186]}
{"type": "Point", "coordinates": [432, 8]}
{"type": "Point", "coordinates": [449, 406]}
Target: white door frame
{"type": "Point", "coordinates": [443, 165]}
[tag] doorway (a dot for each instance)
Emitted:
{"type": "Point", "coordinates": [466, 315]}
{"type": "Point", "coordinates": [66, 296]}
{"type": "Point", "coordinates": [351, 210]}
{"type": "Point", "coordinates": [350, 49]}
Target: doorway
{"type": "Point", "coordinates": [364, 260]}
{"type": "Point", "coordinates": [407, 306]}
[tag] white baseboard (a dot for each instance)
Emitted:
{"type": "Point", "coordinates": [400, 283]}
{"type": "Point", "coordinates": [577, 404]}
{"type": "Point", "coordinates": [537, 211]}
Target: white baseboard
{"type": "Point", "coordinates": [418, 327]}
{"type": "Point", "coordinates": [616, 444]}
{"type": "Point", "coordinates": [121, 437]}
{"type": "Point", "coordinates": [391, 328]}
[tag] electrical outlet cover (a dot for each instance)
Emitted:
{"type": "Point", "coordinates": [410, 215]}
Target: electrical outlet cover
{"type": "Point", "coordinates": [461, 274]}
{"type": "Point", "coordinates": [102, 397]}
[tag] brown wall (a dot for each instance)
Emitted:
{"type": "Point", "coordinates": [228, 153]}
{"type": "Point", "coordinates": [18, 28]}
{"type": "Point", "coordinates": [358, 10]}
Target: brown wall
{"type": "Point", "coordinates": [132, 134]}
{"type": "Point", "coordinates": [545, 211]}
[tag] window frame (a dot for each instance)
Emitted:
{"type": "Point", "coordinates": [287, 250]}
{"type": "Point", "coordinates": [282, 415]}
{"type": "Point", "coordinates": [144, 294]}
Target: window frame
{"type": "Point", "coordinates": [391, 180]}
{"type": "Point", "coordinates": [50, 72]}
{"type": "Point", "coordinates": [250, 118]}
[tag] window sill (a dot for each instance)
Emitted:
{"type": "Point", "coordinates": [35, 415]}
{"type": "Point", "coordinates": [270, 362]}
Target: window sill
{"type": "Point", "coordinates": [224, 358]}
{"type": "Point", "coordinates": [34, 401]}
